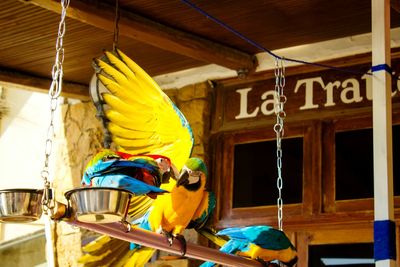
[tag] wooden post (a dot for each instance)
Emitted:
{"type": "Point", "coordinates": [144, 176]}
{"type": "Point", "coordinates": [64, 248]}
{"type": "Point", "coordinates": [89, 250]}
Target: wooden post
{"type": "Point", "coordinates": [384, 225]}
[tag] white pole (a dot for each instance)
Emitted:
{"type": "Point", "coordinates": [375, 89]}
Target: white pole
{"type": "Point", "coordinates": [384, 225]}
{"type": "Point", "coordinates": [50, 251]}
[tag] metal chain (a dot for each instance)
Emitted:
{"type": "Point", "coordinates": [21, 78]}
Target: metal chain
{"type": "Point", "coordinates": [54, 93]}
{"type": "Point", "coordinates": [280, 100]}
{"type": "Point", "coordinates": [116, 27]}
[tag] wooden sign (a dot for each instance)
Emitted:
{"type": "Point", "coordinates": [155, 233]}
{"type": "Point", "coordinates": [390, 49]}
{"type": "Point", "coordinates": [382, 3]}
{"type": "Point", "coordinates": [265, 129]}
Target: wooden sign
{"type": "Point", "coordinates": [309, 96]}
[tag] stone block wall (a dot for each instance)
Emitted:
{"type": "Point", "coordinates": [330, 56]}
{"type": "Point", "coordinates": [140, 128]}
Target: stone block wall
{"type": "Point", "coordinates": [82, 137]}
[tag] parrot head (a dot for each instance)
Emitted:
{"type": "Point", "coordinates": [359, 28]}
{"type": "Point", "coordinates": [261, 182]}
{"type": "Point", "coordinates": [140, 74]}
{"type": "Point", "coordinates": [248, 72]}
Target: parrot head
{"type": "Point", "coordinates": [165, 167]}
{"type": "Point", "coordinates": [193, 175]}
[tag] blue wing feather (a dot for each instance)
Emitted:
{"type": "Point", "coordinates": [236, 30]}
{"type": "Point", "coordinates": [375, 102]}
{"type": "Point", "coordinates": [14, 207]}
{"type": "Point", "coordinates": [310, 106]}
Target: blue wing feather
{"type": "Point", "coordinates": [143, 223]}
{"type": "Point", "coordinates": [230, 247]}
{"type": "Point", "coordinates": [261, 235]}
{"type": "Point", "coordinates": [126, 182]}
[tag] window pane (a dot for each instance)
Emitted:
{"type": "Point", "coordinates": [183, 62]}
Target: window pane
{"type": "Point", "coordinates": [341, 255]}
{"type": "Point", "coordinates": [255, 173]}
{"type": "Point", "coordinates": [354, 164]}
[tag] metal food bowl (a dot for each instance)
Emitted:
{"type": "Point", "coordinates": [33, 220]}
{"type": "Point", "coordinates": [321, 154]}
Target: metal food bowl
{"type": "Point", "coordinates": [99, 204]}
{"type": "Point", "coordinates": [20, 205]}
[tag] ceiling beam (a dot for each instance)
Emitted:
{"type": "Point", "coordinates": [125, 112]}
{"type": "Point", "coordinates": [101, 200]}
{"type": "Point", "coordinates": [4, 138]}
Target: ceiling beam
{"type": "Point", "coordinates": [155, 34]}
{"type": "Point", "coordinates": [14, 79]}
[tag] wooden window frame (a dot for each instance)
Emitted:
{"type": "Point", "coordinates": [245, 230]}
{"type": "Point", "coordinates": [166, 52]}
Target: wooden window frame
{"type": "Point", "coordinates": [330, 128]}
{"type": "Point", "coordinates": [319, 204]}
{"type": "Point", "coordinates": [228, 215]}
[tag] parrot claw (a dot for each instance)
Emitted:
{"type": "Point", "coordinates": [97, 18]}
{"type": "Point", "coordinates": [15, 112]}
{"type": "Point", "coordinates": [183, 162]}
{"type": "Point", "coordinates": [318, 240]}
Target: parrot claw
{"type": "Point", "coordinates": [170, 237]}
{"type": "Point", "coordinates": [265, 263]}
{"type": "Point", "coordinates": [182, 240]}
{"type": "Point", "coordinates": [126, 225]}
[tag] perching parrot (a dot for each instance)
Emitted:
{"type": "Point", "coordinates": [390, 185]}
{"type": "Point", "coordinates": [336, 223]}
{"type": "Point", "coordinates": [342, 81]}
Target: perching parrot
{"type": "Point", "coordinates": [172, 213]}
{"type": "Point", "coordinates": [258, 242]}
{"type": "Point", "coordinates": [188, 204]}
{"type": "Point", "coordinates": [142, 121]}
{"type": "Point", "coordinates": [194, 208]}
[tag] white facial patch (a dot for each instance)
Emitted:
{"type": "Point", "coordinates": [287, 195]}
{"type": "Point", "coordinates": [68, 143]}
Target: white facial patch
{"type": "Point", "coordinates": [194, 176]}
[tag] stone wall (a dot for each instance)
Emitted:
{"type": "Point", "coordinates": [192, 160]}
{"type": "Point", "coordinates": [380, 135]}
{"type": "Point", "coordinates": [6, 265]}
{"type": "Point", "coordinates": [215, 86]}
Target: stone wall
{"type": "Point", "coordinates": [82, 137]}
{"type": "Point", "coordinates": [24, 251]}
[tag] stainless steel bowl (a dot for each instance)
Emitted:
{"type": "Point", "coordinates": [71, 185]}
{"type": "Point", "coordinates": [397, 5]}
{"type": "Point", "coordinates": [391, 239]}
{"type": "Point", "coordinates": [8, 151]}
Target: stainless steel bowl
{"type": "Point", "coordinates": [20, 205]}
{"type": "Point", "coordinates": [99, 204]}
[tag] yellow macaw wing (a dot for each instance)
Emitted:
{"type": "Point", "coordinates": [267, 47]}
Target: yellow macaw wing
{"type": "Point", "coordinates": [103, 251]}
{"type": "Point", "coordinates": [211, 235]}
{"type": "Point", "coordinates": [143, 120]}
{"type": "Point", "coordinates": [139, 257]}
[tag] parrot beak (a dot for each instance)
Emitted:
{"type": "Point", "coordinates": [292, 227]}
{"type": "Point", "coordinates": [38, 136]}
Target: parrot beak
{"type": "Point", "coordinates": [183, 178]}
{"type": "Point", "coordinates": [166, 175]}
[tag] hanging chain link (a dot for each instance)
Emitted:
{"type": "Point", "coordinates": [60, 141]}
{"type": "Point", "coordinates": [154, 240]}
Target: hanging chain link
{"type": "Point", "coordinates": [116, 27]}
{"type": "Point", "coordinates": [54, 93]}
{"type": "Point", "coordinates": [280, 100]}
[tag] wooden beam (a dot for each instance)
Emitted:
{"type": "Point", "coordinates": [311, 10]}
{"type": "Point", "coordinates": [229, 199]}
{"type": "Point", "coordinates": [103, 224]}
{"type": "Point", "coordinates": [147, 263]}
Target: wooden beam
{"type": "Point", "coordinates": [155, 34]}
{"type": "Point", "coordinates": [14, 79]}
{"type": "Point", "coordinates": [302, 69]}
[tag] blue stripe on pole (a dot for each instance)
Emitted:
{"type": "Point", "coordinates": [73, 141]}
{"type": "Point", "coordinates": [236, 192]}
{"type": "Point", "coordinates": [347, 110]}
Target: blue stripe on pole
{"type": "Point", "coordinates": [380, 67]}
{"type": "Point", "coordinates": [384, 240]}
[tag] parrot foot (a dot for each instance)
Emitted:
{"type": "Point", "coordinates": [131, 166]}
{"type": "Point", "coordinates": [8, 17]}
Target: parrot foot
{"type": "Point", "coordinates": [126, 225]}
{"type": "Point", "coordinates": [182, 240]}
{"type": "Point", "coordinates": [265, 263]}
{"type": "Point", "coordinates": [170, 237]}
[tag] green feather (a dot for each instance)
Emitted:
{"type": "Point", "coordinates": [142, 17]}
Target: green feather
{"type": "Point", "coordinates": [196, 164]}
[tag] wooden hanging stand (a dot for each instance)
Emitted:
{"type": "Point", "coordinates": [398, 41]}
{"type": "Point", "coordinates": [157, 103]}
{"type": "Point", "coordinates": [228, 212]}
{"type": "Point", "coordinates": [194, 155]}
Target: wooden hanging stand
{"type": "Point", "coordinates": [157, 241]}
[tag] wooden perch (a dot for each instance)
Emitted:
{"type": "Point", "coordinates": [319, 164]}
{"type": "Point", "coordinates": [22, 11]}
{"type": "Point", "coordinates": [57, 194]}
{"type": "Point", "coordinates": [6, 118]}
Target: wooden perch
{"type": "Point", "coordinates": [157, 241]}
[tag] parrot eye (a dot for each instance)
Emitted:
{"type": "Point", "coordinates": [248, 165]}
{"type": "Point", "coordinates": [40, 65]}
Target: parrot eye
{"type": "Point", "coordinates": [110, 157]}
{"type": "Point", "coordinates": [194, 176]}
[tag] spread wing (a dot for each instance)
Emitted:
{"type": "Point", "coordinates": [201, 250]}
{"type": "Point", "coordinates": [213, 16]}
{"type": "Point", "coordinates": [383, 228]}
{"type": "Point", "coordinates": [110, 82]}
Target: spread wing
{"type": "Point", "coordinates": [142, 121]}
{"type": "Point", "coordinates": [142, 118]}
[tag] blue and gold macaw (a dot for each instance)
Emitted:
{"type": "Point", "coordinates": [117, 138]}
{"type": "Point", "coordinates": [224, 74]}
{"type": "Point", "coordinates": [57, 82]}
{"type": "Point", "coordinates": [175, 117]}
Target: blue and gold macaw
{"type": "Point", "coordinates": [187, 206]}
{"type": "Point", "coordinates": [258, 242]}
{"type": "Point", "coordinates": [144, 121]}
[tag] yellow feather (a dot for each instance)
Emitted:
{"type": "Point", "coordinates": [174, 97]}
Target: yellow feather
{"type": "Point", "coordinates": [140, 73]}
{"type": "Point", "coordinates": [129, 123]}
{"type": "Point", "coordinates": [96, 244]}
{"type": "Point", "coordinates": [135, 150]}
{"type": "Point", "coordinates": [120, 65]}
{"type": "Point", "coordinates": [88, 258]}
{"type": "Point", "coordinates": [128, 133]}
{"type": "Point", "coordinates": [121, 92]}
{"type": "Point", "coordinates": [140, 257]}
{"type": "Point", "coordinates": [219, 241]}
{"type": "Point", "coordinates": [139, 205]}
{"type": "Point", "coordinates": [127, 109]}
{"type": "Point", "coordinates": [140, 143]}
{"type": "Point", "coordinates": [114, 73]}
{"type": "Point", "coordinates": [122, 261]}
{"type": "Point", "coordinates": [141, 88]}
